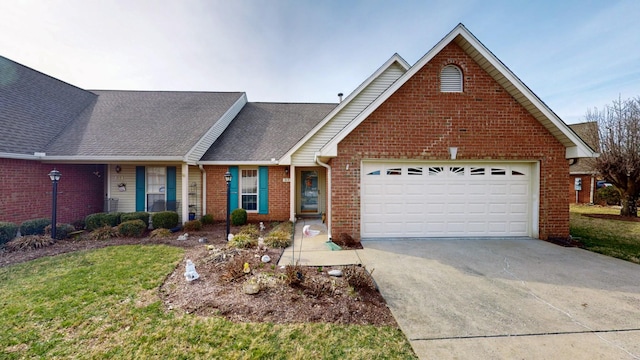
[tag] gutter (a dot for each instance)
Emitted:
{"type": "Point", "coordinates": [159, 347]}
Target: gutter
{"type": "Point", "coordinates": [204, 189]}
{"type": "Point", "coordinates": [328, 210]}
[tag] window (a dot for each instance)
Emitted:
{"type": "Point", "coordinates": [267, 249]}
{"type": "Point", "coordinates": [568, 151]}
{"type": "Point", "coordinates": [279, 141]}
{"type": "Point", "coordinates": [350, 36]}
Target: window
{"type": "Point", "coordinates": [375, 172]}
{"type": "Point", "coordinates": [477, 171]}
{"type": "Point", "coordinates": [394, 171]}
{"type": "Point", "coordinates": [457, 170]}
{"type": "Point", "coordinates": [249, 189]}
{"type": "Point", "coordinates": [451, 79]}
{"type": "Point", "coordinates": [156, 188]}
{"type": "Point", "coordinates": [415, 170]}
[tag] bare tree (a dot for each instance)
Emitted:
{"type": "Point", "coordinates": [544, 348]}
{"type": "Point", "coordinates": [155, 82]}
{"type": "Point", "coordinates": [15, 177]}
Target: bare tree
{"type": "Point", "coordinates": [619, 161]}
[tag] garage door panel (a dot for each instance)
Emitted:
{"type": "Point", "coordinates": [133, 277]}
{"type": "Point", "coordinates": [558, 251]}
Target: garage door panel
{"type": "Point", "coordinates": [409, 199]}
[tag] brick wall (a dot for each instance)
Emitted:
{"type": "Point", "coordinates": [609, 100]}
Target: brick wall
{"type": "Point", "coordinates": [584, 195]}
{"type": "Point", "coordinates": [278, 195]}
{"type": "Point", "coordinates": [26, 191]}
{"type": "Point", "coordinates": [420, 122]}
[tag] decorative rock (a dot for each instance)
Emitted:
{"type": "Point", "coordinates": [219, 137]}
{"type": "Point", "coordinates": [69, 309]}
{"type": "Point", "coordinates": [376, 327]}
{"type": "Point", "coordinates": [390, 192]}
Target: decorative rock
{"type": "Point", "coordinates": [265, 258]}
{"type": "Point", "coordinates": [251, 288]}
{"type": "Point", "coordinates": [336, 273]}
{"type": "Point", "coordinates": [184, 236]}
{"type": "Point", "coordinates": [202, 240]}
{"type": "Point", "coordinates": [260, 241]}
{"type": "Point", "coordinates": [230, 237]}
{"type": "Point", "coordinates": [190, 273]}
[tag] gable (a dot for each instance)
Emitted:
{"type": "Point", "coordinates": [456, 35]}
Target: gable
{"type": "Point", "coordinates": [574, 146]}
{"type": "Point", "coordinates": [304, 153]}
{"type": "Point", "coordinates": [419, 121]}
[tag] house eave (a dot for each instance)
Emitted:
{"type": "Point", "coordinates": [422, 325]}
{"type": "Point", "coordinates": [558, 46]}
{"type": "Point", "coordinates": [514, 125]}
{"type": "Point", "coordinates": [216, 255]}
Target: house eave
{"type": "Point", "coordinates": [241, 163]}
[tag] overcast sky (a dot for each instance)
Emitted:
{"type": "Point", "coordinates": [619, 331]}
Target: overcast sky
{"type": "Point", "coordinates": [575, 55]}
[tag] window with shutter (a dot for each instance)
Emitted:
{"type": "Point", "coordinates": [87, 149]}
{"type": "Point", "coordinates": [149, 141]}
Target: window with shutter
{"type": "Point", "coordinates": [451, 79]}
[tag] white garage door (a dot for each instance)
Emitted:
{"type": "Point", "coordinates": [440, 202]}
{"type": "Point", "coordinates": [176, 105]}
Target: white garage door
{"type": "Point", "coordinates": [445, 200]}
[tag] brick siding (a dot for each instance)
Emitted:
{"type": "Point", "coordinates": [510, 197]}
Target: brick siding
{"type": "Point", "coordinates": [584, 195]}
{"type": "Point", "coordinates": [26, 191]}
{"type": "Point", "coordinates": [278, 195]}
{"type": "Point", "coordinates": [420, 122]}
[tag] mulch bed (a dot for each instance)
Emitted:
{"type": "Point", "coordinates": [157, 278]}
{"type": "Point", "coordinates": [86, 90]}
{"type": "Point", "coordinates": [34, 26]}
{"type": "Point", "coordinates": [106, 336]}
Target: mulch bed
{"type": "Point", "coordinates": [613, 217]}
{"type": "Point", "coordinates": [318, 298]}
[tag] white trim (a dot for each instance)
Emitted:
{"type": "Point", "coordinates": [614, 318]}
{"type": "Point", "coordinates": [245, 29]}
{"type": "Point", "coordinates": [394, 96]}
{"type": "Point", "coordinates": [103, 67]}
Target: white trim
{"type": "Point", "coordinates": [580, 150]}
{"type": "Point", "coordinates": [286, 158]}
{"type": "Point", "coordinates": [292, 193]}
{"type": "Point", "coordinates": [184, 192]}
{"type": "Point", "coordinates": [328, 192]}
{"type": "Point", "coordinates": [214, 132]}
{"type": "Point", "coordinates": [239, 163]}
{"type": "Point", "coordinates": [257, 193]}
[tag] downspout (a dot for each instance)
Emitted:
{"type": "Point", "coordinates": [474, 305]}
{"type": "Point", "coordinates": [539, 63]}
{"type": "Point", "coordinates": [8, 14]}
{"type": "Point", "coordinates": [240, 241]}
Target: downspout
{"type": "Point", "coordinates": [204, 189]}
{"type": "Point", "coordinates": [328, 210]}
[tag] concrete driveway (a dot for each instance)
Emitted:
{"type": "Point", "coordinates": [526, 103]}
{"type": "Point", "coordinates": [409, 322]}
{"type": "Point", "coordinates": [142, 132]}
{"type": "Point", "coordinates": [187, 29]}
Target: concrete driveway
{"type": "Point", "coordinates": [508, 299]}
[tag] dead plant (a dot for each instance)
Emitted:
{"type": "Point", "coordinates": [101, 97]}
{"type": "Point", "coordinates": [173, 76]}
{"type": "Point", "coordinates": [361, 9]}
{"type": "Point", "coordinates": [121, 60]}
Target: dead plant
{"type": "Point", "coordinates": [29, 242]}
{"type": "Point", "coordinates": [294, 274]}
{"type": "Point", "coordinates": [359, 278]}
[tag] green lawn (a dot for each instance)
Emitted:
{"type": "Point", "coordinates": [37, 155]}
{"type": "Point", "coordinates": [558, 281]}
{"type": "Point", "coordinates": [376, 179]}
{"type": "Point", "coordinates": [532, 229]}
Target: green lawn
{"type": "Point", "coordinates": [615, 238]}
{"type": "Point", "coordinates": [104, 304]}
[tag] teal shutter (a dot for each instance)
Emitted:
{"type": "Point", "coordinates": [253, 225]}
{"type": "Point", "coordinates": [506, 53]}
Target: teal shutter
{"type": "Point", "coordinates": [234, 187]}
{"type": "Point", "coordinates": [140, 188]}
{"type": "Point", "coordinates": [263, 190]}
{"type": "Point", "coordinates": [171, 184]}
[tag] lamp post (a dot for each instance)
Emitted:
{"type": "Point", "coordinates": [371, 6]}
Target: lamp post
{"type": "Point", "coordinates": [54, 175]}
{"type": "Point", "coordinates": [227, 178]}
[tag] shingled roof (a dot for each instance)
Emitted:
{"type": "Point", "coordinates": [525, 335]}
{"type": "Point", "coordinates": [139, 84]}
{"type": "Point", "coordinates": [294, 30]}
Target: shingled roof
{"type": "Point", "coordinates": [263, 131]}
{"type": "Point", "coordinates": [586, 131]}
{"type": "Point", "coordinates": [143, 124]}
{"type": "Point", "coordinates": [35, 107]}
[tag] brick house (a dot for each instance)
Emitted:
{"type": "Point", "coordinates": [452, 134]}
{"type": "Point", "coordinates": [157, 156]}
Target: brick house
{"type": "Point", "coordinates": [453, 146]}
{"type": "Point", "coordinates": [583, 169]}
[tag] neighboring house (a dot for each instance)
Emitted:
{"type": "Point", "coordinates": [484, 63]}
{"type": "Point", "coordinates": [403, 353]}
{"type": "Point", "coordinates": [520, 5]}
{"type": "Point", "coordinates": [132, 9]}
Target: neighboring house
{"type": "Point", "coordinates": [583, 169]}
{"type": "Point", "coordinates": [453, 146]}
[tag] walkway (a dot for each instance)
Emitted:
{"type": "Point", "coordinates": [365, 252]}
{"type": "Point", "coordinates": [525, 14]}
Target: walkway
{"type": "Point", "coordinates": [314, 250]}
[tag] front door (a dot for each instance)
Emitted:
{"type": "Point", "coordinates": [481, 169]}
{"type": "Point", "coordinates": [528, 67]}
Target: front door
{"type": "Point", "coordinates": [309, 192]}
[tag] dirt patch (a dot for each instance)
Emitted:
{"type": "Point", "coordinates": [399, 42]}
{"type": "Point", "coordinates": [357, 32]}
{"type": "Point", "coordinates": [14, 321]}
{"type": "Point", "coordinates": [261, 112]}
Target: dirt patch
{"type": "Point", "coordinates": [313, 296]}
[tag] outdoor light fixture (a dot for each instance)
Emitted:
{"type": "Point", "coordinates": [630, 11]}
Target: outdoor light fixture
{"type": "Point", "coordinates": [54, 175]}
{"type": "Point", "coordinates": [227, 178]}
{"type": "Point", "coordinates": [118, 168]}
{"type": "Point", "coordinates": [453, 151]}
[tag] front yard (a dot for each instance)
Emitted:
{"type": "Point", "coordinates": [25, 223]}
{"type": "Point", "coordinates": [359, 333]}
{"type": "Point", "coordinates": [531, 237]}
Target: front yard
{"type": "Point", "coordinates": [608, 234]}
{"type": "Point", "coordinates": [104, 304]}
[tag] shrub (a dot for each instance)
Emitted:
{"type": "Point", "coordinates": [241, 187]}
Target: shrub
{"type": "Point", "coordinates": [138, 215]}
{"type": "Point", "coordinates": [286, 226]}
{"type": "Point", "coordinates": [132, 228]}
{"type": "Point", "coordinates": [8, 231]}
{"type": "Point", "coordinates": [294, 274]}
{"type": "Point", "coordinates": [62, 231]}
{"type": "Point", "coordinates": [233, 269]}
{"type": "Point", "coordinates": [193, 225]}
{"type": "Point", "coordinates": [358, 278]}
{"type": "Point", "coordinates": [98, 220]}
{"type": "Point", "coordinates": [165, 220]}
{"type": "Point", "coordinates": [243, 241]}
{"type": "Point", "coordinates": [34, 227]}
{"type": "Point", "coordinates": [104, 233]}
{"type": "Point", "coordinates": [79, 224]}
{"type": "Point", "coordinates": [206, 219]}
{"type": "Point", "coordinates": [238, 217]}
{"type": "Point", "coordinates": [278, 239]}
{"type": "Point", "coordinates": [609, 194]}
{"type": "Point", "coordinates": [160, 233]}
{"type": "Point", "coordinates": [30, 242]}
{"type": "Point", "coordinates": [250, 230]}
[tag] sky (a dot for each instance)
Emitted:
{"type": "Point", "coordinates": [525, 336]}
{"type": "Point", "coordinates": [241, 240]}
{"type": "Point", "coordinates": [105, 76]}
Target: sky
{"type": "Point", "coordinates": [574, 55]}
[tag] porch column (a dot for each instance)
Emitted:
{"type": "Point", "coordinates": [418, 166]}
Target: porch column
{"type": "Point", "coordinates": [292, 193]}
{"type": "Point", "coordinates": [185, 192]}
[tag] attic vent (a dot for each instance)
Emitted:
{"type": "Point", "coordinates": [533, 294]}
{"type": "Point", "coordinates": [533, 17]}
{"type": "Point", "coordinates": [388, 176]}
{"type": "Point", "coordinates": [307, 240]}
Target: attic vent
{"type": "Point", "coordinates": [451, 79]}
